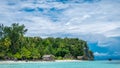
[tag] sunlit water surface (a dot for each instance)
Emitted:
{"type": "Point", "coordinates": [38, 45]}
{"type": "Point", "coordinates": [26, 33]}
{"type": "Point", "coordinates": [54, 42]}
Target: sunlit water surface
{"type": "Point", "coordinates": [83, 64]}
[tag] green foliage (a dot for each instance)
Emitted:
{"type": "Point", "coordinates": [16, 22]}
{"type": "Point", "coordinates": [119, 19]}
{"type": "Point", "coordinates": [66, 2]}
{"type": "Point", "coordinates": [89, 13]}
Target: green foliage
{"type": "Point", "coordinates": [59, 58]}
{"type": "Point", "coordinates": [61, 52]}
{"type": "Point", "coordinates": [25, 53]}
{"type": "Point", "coordinates": [2, 54]}
{"type": "Point", "coordinates": [14, 33]}
{"type": "Point", "coordinates": [18, 55]}
{"type": "Point", "coordinates": [91, 55]}
{"type": "Point", "coordinates": [14, 45]}
{"type": "Point", "coordinates": [35, 53]}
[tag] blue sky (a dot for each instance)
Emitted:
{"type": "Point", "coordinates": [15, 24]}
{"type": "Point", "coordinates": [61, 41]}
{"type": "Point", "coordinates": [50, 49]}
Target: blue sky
{"type": "Point", "coordinates": [96, 21]}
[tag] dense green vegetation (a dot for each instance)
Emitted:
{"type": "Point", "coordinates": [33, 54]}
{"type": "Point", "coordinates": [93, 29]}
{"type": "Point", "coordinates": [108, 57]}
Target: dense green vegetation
{"type": "Point", "coordinates": [14, 45]}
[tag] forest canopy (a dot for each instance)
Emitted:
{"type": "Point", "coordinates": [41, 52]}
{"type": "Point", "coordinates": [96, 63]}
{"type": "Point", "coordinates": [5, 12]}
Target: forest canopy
{"type": "Point", "coordinates": [15, 45]}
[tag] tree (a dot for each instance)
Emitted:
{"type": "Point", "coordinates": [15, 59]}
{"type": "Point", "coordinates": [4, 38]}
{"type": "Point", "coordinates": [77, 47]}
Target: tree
{"type": "Point", "coordinates": [35, 53]}
{"type": "Point", "coordinates": [61, 52]}
{"type": "Point", "coordinates": [15, 32]}
{"type": "Point", "coordinates": [1, 30]}
{"type": "Point", "coordinates": [25, 53]}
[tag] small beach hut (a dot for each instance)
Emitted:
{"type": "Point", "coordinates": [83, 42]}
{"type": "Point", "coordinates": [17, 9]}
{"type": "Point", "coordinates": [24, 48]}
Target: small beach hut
{"type": "Point", "coordinates": [80, 57]}
{"type": "Point", "coordinates": [48, 58]}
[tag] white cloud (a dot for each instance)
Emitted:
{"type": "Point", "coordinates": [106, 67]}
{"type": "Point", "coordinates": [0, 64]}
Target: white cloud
{"type": "Point", "coordinates": [100, 54]}
{"type": "Point", "coordinates": [116, 54]}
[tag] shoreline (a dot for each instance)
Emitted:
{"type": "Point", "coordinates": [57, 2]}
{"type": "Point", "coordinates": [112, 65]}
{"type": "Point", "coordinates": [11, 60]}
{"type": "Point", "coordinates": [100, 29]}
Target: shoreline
{"type": "Point", "coordinates": [12, 61]}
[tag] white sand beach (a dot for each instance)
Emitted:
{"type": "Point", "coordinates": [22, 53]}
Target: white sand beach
{"type": "Point", "coordinates": [68, 60]}
{"type": "Point", "coordinates": [10, 61]}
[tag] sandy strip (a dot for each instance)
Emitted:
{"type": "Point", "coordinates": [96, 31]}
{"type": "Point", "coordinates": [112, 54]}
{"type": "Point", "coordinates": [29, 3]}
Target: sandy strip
{"type": "Point", "coordinates": [68, 60]}
{"type": "Point", "coordinates": [8, 62]}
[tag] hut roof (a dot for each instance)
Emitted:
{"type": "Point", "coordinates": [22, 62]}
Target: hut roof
{"type": "Point", "coordinates": [80, 57]}
{"type": "Point", "coordinates": [47, 55]}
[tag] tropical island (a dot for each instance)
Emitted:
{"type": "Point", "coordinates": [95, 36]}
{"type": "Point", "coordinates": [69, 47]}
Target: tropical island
{"type": "Point", "coordinates": [14, 45]}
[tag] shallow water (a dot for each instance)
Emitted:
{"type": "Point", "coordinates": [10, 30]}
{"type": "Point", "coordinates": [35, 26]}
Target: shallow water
{"type": "Point", "coordinates": [83, 64]}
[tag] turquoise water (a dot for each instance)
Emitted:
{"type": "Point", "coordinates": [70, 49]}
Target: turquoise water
{"type": "Point", "coordinates": [84, 64]}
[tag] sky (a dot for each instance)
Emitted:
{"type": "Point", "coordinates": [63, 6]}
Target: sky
{"type": "Point", "coordinates": [95, 21]}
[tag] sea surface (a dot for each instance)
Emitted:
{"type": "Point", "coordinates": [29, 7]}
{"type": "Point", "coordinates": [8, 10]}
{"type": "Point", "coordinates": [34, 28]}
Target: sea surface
{"type": "Point", "coordinates": [81, 64]}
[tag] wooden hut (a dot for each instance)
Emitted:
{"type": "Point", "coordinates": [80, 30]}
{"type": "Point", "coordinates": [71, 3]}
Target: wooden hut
{"type": "Point", "coordinates": [80, 57]}
{"type": "Point", "coordinates": [48, 58]}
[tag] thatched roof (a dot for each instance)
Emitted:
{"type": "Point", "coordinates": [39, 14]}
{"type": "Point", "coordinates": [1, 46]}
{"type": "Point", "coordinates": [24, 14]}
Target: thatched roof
{"type": "Point", "coordinates": [47, 56]}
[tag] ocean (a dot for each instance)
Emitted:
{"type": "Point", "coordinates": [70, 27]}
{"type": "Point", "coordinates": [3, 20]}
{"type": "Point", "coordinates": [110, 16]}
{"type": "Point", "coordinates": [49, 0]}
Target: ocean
{"type": "Point", "coordinates": [81, 64]}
